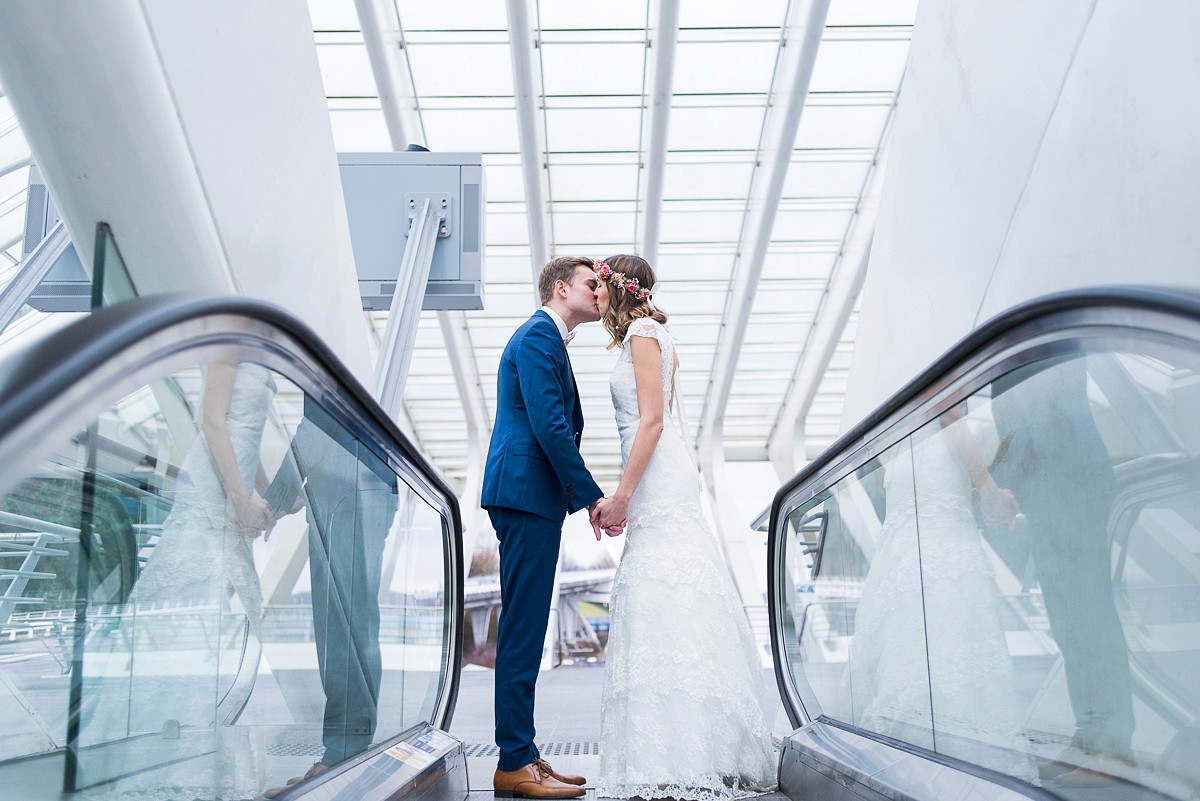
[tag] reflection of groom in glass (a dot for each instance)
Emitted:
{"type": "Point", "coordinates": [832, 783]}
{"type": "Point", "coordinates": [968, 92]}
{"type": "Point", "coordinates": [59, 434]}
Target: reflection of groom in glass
{"type": "Point", "coordinates": [350, 495]}
{"type": "Point", "coordinates": [534, 477]}
{"type": "Point", "coordinates": [1053, 460]}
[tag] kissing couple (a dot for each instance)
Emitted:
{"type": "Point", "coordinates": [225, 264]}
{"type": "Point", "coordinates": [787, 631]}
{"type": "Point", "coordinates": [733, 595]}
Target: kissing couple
{"type": "Point", "coordinates": [681, 705]}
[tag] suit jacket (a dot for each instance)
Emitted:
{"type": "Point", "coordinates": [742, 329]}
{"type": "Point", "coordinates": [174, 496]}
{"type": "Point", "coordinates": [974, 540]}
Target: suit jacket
{"type": "Point", "coordinates": [533, 462]}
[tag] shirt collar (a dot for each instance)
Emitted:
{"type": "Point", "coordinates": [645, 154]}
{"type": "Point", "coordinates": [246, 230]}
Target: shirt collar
{"type": "Point", "coordinates": [558, 321]}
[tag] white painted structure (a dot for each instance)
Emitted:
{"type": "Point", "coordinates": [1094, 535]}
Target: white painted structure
{"type": "Point", "coordinates": [200, 133]}
{"type": "Point", "coordinates": [1038, 147]}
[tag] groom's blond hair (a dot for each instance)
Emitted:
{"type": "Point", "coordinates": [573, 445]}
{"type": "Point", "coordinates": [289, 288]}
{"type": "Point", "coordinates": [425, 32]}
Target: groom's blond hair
{"type": "Point", "coordinates": [560, 269]}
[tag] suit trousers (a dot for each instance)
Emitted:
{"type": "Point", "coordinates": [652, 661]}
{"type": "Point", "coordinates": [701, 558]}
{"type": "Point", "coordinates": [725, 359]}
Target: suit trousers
{"type": "Point", "coordinates": [529, 547]}
{"type": "Point", "coordinates": [350, 510]}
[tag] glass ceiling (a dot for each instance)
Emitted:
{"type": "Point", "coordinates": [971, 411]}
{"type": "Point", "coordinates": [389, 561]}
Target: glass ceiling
{"type": "Point", "coordinates": [591, 65]}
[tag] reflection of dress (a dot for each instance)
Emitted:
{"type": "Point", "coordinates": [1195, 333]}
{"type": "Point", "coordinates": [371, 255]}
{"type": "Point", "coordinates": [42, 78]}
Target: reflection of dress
{"type": "Point", "coordinates": [180, 613]}
{"type": "Point", "coordinates": [927, 629]}
{"type": "Point", "coordinates": [201, 556]}
{"type": "Point", "coordinates": [681, 710]}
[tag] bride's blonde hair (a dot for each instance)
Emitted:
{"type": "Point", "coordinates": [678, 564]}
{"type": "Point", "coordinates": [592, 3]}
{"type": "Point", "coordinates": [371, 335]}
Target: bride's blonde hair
{"type": "Point", "coordinates": [625, 306]}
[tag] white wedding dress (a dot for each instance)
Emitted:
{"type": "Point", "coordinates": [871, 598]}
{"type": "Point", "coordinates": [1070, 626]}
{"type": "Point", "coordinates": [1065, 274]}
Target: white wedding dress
{"type": "Point", "coordinates": [929, 652]}
{"type": "Point", "coordinates": [681, 711]}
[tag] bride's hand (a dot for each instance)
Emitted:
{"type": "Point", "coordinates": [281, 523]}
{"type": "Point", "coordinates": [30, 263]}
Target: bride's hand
{"type": "Point", "coordinates": [251, 515]}
{"type": "Point", "coordinates": [612, 514]}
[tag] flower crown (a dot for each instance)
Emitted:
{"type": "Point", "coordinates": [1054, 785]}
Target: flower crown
{"type": "Point", "coordinates": [630, 285]}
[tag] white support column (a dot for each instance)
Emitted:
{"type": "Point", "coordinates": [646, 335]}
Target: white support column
{"type": "Point", "coordinates": [14, 165]}
{"type": "Point", "coordinates": [384, 39]}
{"type": "Point", "coordinates": [230, 191]}
{"type": "Point", "coordinates": [31, 273]}
{"type": "Point", "coordinates": [461, 351]}
{"type": "Point", "coordinates": [803, 30]}
{"type": "Point", "coordinates": [404, 314]}
{"type": "Point", "coordinates": [384, 36]}
{"type": "Point", "coordinates": [661, 40]}
{"type": "Point", "coordinates": [785, 447]}
{"type": "Point", "coordinates": [523, 44]}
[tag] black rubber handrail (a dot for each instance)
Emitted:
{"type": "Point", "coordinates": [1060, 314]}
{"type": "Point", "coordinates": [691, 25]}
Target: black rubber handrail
{"type": "Point", "coordinates": [50, 367]}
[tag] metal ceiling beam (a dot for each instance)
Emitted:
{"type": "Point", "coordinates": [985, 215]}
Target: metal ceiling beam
{"type": "Point", "coordinates": [522, 45]}
{"type": "Point", "coordinates": [393, 79]}
{"type": "Point", "coordinates": [661, 41]}
{"type": "Point", "coordinates": [786, 446]}
{"type": "Point", "coordinates": [789, 89]}
{"type": "Point", "coordinates": [788, 94]}
{"type": "Point", "coordinates": [14, 165]}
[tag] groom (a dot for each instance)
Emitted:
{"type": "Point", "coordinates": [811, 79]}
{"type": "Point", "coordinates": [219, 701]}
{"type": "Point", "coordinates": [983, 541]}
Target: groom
{"type": "Point", "coordinates": [534, 477]}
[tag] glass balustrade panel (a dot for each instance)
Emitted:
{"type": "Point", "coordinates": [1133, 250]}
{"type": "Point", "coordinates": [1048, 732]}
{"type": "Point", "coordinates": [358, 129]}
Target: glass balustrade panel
{"type": "Point", "coordinates": [230, 586]}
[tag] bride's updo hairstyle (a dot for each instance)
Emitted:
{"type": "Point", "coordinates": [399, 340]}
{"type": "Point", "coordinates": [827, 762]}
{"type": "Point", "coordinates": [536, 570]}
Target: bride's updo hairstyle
{"type": "Point", "coordinates": [630, 281]}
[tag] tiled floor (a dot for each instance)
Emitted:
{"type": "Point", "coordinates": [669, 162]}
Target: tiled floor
{"type": "Point", "coordinates": [567, 717]}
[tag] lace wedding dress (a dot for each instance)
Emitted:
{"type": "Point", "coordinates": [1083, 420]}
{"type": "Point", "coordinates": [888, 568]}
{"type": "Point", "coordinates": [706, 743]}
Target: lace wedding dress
{"type": "Point", "coordinates": [681, 711]}
{"type": "Point", "coordinates": [929, 653]}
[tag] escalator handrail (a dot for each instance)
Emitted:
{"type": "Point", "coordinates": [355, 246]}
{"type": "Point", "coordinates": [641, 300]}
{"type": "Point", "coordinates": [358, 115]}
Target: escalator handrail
{"type": "Point", "coordinates": [1183, 301]}
{"type": "Point", "coordinates": [48, 368]}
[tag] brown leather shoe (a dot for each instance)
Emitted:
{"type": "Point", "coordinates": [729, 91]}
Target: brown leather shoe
{"type": "Point", "coordinates": [578, 781]}
{"type": "Point", "coordinates": [532, 781]}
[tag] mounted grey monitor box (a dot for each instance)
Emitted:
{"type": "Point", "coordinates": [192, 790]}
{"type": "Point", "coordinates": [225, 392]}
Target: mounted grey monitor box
{"type": "Point", "coordinates": [379, 188]}
{"type": "Point", "coordinates": [66, 287]}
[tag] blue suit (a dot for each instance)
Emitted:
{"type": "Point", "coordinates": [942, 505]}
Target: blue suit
{"type": "Point", "coordinates": [533, 478]}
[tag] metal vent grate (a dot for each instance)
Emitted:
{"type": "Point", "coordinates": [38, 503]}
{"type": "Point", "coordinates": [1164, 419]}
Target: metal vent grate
{"type": "Point", "coordinates": [590, 748]}
{"type": "Point", "coordinates": [295, 749]}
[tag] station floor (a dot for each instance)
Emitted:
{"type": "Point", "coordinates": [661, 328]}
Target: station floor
{"type": "Point", "coordinates": [567, 717]}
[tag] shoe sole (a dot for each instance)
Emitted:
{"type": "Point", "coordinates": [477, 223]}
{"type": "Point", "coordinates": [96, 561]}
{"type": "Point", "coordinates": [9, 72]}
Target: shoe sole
{"type": "Point", "coordinates": [515, 794]}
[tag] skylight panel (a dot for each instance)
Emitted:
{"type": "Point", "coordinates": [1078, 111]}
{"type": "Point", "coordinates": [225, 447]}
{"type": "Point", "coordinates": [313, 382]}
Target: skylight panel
{"type": "Point", "coordinates": [359, 131]}
{"type": "Point", "coordinates": [840, 126]}
{"type": "Point", "coordinates": [571, 182]}
{"type": "Point", "coordinates": [453, 15]}
{"type": "Point", "coordinates": [705, 226]}
{"type": "Point", "coordinates": [713, 68]}
{"type": "Point", "coordinates": [584, 130]}
{"type": "Point", "coordinates": [461, 70]}
{"type": "Point", "coordinates": [572, 230]}
{"type": "Point", "coordinates": [825, 178]}
{"type": "Point", "coordinates": [810, 225]}
{"type": "Point", "coordinates": [605, 68]}
{"type": "Point", "coordinates": [723, 14]}
{"type": "Point", "coordinates": [715, 128]}
{"type": "Point", "coordinates": [483, 130]}
{"type": "Point", "coordinates": [346, 70]}
{"type": "Point", "coordinates": [858, 66]}
{"type": "Point", "coordinates": [611, 14]}
{"type": "Point", "coordinates": [687, 181]}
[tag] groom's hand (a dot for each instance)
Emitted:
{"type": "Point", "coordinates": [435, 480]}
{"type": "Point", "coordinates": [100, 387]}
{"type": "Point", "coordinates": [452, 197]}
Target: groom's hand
{"type": "Point", "coordinates": [594, 517]}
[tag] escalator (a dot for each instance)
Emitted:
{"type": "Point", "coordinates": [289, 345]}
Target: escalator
{"type": "Point", "coordinates": [222, 568]}
{"type": "Point", "coordinates": [990, 588]}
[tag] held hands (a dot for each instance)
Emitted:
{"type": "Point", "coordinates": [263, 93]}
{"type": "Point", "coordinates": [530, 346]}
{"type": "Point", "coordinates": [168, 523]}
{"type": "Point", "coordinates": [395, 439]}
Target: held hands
{"type": "Point", "coordinates": [252, 516]}
{"type": "Point", "coordinates": [998, 508]}
{"type": "Point", "coordinates": [609, 515]}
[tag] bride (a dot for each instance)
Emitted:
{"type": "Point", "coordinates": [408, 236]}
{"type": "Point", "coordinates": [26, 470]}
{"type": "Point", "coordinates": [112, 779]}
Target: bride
{"type": "Point", "coordinates": [681, 712]}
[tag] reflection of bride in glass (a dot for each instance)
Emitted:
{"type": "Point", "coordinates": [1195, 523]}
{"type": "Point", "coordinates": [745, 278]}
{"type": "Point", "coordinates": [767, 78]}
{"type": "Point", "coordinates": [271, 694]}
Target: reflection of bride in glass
{"type": "Point", "coordinates": [199, 584]}
{"type": "Point", "coordinates": [929, 652]}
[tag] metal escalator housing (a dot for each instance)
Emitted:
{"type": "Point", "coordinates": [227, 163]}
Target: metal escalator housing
{"type": "Point", "coordinates": [1077, 324]}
